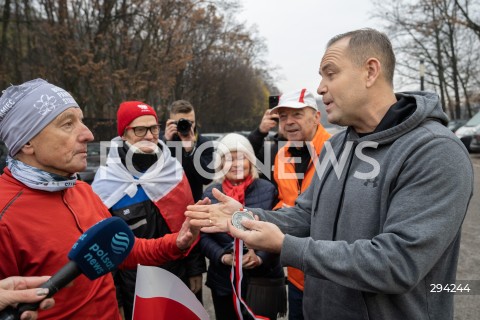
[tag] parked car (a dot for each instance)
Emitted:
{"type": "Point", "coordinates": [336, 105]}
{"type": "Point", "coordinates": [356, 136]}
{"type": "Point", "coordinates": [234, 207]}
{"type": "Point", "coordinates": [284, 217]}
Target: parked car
{"type": "Point", "coordinates": [244, 133]}
{"type": "Point", "coordinates": [212, 136]}
{"type": "Point", "coordinates": [93, 162]}
{"type": "Point", "coordinates": [454, 125]}
{"type": "Point", "coordinates": [3, 156]}
{"type": "Point", "coordinates": [465, 133]}
{"type": "Point", "coordinates": [475, 144]}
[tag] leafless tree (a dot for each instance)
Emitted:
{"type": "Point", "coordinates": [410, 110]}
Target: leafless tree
{"type": "Point", "coordinates": [433, 31]}
{"type": "Point", "coordinates": [107, 51]}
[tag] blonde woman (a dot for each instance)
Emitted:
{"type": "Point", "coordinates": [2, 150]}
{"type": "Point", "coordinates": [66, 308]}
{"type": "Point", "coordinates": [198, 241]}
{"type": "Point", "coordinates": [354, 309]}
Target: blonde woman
{"type": "Point", "coordinates": [264, 279]}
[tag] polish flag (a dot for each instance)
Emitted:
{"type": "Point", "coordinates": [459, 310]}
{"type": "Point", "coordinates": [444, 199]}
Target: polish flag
{"type": "Point", "coordinates": [160, 295]}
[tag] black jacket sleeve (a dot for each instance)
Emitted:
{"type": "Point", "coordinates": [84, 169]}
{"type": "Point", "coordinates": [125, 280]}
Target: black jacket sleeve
{"type": "Point", "coordinates": [195, 262]}
{"type": "Point", "coordinates": [204, 149]}
{"type": "Point", "coordinates": [196, 164]}
{"type": "Point", "coordinates": [257, 139]}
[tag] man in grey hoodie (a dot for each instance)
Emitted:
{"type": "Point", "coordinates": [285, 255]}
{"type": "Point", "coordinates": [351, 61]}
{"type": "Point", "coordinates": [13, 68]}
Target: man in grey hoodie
{"type": "Point", "coordinates": [377, 230]}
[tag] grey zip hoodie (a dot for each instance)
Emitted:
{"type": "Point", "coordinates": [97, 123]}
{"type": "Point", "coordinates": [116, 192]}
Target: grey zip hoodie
{"type": "Point", "coordinates": [375, 234]}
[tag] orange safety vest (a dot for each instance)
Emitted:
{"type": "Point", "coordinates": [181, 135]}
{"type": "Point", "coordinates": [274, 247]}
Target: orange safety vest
{"type": "Point", "coordinates": [289, 188]}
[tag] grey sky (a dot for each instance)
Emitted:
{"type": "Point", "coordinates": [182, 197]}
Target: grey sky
{"type": "Point", "coordinates": [296, 32]}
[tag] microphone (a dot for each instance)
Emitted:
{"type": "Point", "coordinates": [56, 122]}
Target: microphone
{"type": "Point", "coordinates": [97, 252]}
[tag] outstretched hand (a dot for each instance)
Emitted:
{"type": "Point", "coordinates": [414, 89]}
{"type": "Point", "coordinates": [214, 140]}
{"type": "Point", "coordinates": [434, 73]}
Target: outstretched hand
{"type": "Point", "coordinates": [214, 217]}
{"type": "Point", "coordinates": [188, 233]}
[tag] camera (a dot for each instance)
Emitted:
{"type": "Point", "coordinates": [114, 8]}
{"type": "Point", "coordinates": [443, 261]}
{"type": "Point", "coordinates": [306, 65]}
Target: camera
{"type": "Point", "coordinates": [184, 126]}
{"type": "Point", "coordinates": [273, 101]}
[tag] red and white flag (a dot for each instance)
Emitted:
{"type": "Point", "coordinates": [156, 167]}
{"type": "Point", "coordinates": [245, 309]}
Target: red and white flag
{"type": "Point", "coordinates": [160, 295]}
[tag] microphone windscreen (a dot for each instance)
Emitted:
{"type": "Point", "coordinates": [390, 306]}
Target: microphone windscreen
{"type": "Point", "coordinates": [102, 247]}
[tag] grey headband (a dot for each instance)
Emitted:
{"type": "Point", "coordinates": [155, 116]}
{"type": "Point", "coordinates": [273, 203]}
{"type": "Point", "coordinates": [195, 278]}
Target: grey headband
{"type": "Point", "coordinates": [28, 108]}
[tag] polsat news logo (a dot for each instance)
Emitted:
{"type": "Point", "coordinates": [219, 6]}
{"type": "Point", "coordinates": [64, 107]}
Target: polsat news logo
{"type": "Point", "coordinates": [99, 259]}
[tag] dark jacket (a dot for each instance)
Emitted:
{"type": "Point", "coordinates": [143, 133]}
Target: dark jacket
{"type": "Point", "coordinates": [140, 208]}
{"type": "Point", "coordinates": [260, 194]}
{"type": "Point", "coordinates": [265, 151]}
{"type": "Point", "coordinates": [149, 219]}
{"type": "Point", "coordinates": [197, 179]}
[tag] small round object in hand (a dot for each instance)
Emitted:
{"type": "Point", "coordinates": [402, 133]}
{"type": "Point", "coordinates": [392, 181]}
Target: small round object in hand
{"type": "Point", "coordinates": [239, 216]}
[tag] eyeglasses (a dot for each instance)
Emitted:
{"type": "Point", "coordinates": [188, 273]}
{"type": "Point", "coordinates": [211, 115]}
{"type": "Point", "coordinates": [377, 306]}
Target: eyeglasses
{"type": "Point", "coordinates": [141, 131]}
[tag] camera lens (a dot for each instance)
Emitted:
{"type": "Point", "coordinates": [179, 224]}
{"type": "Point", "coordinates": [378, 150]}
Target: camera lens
{"type": "Point", "coordinates": [184, 126]}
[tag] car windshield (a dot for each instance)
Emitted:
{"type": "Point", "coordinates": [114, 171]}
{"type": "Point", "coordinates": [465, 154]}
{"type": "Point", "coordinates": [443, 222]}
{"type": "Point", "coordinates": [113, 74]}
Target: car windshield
{"type": "Point", "coordinates": [475, 121]}
{"type": "Point", "coordinates": [93, 149]}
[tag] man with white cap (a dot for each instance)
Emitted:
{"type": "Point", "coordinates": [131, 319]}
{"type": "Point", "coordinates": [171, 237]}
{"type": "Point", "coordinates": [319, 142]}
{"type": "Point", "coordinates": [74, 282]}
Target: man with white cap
{"type": "Point", "coordinates": [299, 120]}
{"type": "Point", "coordinates": [44, 209]}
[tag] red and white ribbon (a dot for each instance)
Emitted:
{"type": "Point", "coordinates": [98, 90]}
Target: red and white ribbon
{"type": "Point", "coordinates": [236, 276]}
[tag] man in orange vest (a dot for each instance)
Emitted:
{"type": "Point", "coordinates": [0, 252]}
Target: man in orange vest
{"type": "Point", "coordinates": [294, 166]}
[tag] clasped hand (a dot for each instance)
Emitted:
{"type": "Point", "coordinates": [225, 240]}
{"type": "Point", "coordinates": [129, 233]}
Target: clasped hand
{"type": "Point", "coordinates": [217, 218]}
{"type": "Point", "coordinates": [189, 232]}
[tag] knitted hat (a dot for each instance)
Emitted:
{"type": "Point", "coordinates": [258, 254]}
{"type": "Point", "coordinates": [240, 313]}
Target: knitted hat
{"type": "Point", "coordinates": [131, 110]}
{"type": "Point", "coordinates": [27, 108]}
{"type": "Point", "coordinates": [297, 99]}
{"type": "Point", "coordinates": [235, 142]}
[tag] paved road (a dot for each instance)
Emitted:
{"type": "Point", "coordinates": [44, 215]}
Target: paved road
{"type": "Point", "coordinates": [467, 307]}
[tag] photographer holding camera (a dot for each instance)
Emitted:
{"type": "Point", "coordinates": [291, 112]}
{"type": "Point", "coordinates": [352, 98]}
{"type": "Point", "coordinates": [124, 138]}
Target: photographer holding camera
{"type": "Point", "coordinates": [181, 127]}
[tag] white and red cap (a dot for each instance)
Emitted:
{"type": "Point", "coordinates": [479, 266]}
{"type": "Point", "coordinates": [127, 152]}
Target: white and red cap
{"type": "Point", "coordinates": [131, 110]}
{"type": "Point", "coordinates": [297, 99]}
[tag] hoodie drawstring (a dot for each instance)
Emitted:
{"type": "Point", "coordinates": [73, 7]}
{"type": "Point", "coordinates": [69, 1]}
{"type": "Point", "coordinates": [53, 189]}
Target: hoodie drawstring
{"type": "Point", "coordinates": [342, 196]}
{"type": "Point", "coordinates": [330, 170]}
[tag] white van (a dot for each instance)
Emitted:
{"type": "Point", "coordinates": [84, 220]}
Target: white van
{"type": "Point", "coordinates": [466, 132]}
